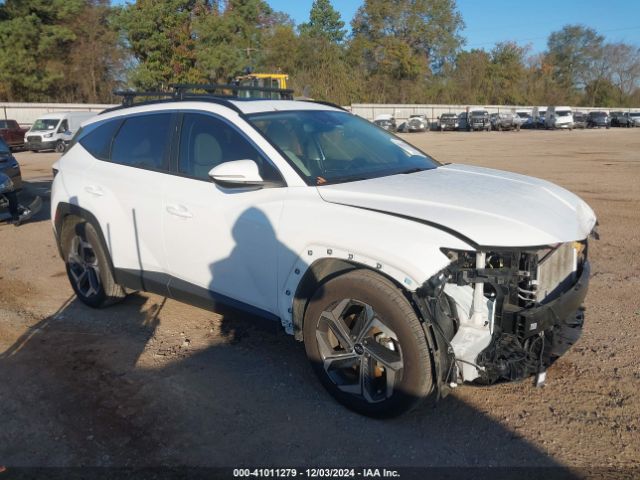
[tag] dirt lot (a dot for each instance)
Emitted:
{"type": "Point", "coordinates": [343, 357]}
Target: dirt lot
{"type": "Point", "coordinates": [153, 381]}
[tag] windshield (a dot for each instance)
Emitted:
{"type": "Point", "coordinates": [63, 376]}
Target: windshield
{"type": "Point", "coordinates": [448, 115]}
{"type": "Point", "coordinates": [598, 114]}
{"type": "Point", "coordinates": [478, 114]}
{"type": "Point", "coordinates": [634, 114]}
{"type": "Point", "coordinates": [563, 113]}
{"type": "Point", "coordinates": [523, 115]}
{"type": "Point", "coordinates": [333, 147]}
{"type": "Point", "coordinates": [45, 124]}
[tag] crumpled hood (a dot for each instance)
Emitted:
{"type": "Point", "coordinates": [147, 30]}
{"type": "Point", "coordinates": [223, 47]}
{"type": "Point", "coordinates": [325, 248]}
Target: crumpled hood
{"type": "Point", "coordinates": [489, 207]}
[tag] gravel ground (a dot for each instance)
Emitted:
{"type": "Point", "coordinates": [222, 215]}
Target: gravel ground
{"type": "Point", "coordinates": [155, 382]}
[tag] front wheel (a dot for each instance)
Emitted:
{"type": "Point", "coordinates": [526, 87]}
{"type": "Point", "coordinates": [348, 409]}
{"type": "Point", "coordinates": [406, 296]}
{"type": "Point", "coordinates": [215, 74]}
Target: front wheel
{"type": "Point", "coordinates": [88, 267]}
{"type": "Point", "coordinates": [367, 346]}
{"type": "Point", "coordinates": [59, 147]}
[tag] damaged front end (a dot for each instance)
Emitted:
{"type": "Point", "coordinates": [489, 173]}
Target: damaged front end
{"type": "Point", "coordinates": [505, 314]}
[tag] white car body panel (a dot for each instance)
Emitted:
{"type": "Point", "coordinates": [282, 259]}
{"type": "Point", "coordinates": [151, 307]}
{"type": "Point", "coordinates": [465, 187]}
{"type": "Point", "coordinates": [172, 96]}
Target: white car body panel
{"type": "Point", "coordinates": [381, 243]}
{"type": "Point", "coordinates": [224, 240]}
{"type": "Point", "coordinates": [490, 207]}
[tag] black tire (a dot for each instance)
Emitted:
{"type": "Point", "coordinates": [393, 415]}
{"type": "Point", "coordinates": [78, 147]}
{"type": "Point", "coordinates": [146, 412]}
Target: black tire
{"type": "Point", "coordinates": [390, 391]}
{"type": "Point", "coordinates": [98, 288]}
{"type": "Point", "coordinates": [59, 146]}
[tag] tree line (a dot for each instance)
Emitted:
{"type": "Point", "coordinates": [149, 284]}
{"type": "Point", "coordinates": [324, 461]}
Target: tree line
{"type": "Point", "coordinates": [397, 51]}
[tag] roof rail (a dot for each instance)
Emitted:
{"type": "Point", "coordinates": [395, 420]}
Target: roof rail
{"type": "Point", "coordinates": [182, 88]}
{"type": "Point", "coordinates": [193, 91]}
{"type": "Point", "coordinates": [129, 95]}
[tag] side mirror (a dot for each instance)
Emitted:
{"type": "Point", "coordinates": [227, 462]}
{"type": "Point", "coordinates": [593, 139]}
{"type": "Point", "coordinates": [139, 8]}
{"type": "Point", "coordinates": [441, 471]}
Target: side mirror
{"type": "Point", "coordinates": [237, 173]}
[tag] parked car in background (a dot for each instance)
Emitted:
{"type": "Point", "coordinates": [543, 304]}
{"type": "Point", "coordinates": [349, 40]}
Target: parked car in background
{"type": "Point", "coordinates": [54, 131]}
{"type": "Point", "coordinates": [9, 165]}
{"type": "Point", "coordinates": [12, 133]}
{"type": "Point", "coordinates": [579, 120]}
{"type": "Point", "coordinates": [479, 120]}
{"type": "Point", "coordinates": [621, 119]}
{"type": "Point", "coordinates": [598, 119]}
{"type": "Point", "coordinates": [448, 121]}
{"type": "Point", "coordinates": [417, 123]}
{"type": "Point", "coordinates": [559, 117]}
{"type": "Point", "coordinates": [524, 118]}
{"type": "Point", "coordinates": [617, 119]}
{"type": "Point", "coordinates": [635, 119]}
{"type": "Point", "coordinates": [463, 122]}
{"type": "Point", "coordinates": [539, 117]}
{"type": "Point", "coordinates": [504, 121]}
{"type": "Point", "coordinates": [386, 121]}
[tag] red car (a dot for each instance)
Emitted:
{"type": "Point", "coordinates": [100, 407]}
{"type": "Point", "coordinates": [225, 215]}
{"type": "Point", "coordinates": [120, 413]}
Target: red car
{"type": "Point", "coordinates": [12, 133]}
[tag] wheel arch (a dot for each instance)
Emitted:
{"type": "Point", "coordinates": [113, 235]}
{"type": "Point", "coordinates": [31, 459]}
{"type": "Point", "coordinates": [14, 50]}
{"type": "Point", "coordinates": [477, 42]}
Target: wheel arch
{"type": "Point", "coordinates": [63, 212]}
{"type": "Point", "coordinates": [323, 270]}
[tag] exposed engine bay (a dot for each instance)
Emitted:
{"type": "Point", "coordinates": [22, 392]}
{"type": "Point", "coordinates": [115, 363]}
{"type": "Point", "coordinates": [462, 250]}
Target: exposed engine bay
{"type": "Point", "coordinates": [506, 314]}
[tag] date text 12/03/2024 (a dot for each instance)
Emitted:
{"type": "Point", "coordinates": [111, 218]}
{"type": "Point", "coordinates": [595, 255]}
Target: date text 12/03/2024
{"type": "Point", "coordinates": [315, 473]}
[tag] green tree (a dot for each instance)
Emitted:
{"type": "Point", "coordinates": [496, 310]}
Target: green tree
{"type": "Point", "coordinates": [324, 21]}
{"type": "Point", "coordinates": [507, 73]}
{"type": "Point", "coordinates": [35, 40]}
{"type": "Point", "coordinates": [160, 37]}
{"type": "Point", "coordinates": [573, 52]}
{"type": "Point", "coordinates": [470, 77]}
{"type": "Point", "coordinates": [428, 29]}
{"type": "Point", "coordinates": [94, 66]}
{"type": "Point", "coordinates": [230, 37]}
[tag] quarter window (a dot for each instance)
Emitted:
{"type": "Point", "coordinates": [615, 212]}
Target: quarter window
{"type": "Point", "coordinates": [143, 142]}
{"type": "Point", "coordinates": [98, 141]}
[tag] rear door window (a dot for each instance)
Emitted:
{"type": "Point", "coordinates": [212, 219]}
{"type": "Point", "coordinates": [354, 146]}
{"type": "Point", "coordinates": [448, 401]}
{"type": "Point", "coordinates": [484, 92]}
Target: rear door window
{"type": "Point", "coordinates": [143, 141]}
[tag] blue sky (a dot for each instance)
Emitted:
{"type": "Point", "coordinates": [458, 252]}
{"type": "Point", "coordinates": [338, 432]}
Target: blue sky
{"type": "Point", "coordinates": [527, 22]}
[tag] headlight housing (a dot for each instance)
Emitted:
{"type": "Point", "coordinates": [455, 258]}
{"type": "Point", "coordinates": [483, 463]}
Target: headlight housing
{"type": "Point", "coordinates": [48, 135]}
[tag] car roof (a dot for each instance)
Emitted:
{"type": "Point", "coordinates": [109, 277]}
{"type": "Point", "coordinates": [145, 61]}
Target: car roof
{"type": "Point", "coordinates": [259, 106]}
{"type": "Point", "coordinates": [248, 106]}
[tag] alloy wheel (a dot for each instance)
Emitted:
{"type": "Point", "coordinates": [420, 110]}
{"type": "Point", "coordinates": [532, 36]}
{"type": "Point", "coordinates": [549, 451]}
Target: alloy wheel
{"type": "Point", "coordinates": [360, 354]}
{"type": "Point", "coordinates": [83, 267]}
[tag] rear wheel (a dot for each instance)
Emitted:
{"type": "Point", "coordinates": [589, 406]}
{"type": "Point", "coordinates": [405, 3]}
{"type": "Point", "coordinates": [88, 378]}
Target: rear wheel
{"type": "Point", "coordinates": [88, 266]}
{"type": "Point", "coordinates": [367, 346]}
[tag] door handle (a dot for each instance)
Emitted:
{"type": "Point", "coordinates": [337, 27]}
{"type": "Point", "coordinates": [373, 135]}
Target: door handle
{"type": "Point", "coordinates": [93, 190]}
{"type": "Point", "coordinates": [179, 211]}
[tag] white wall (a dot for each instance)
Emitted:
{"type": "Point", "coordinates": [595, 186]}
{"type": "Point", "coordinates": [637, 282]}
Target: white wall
{"type": "Point", "coordinates": [27, 113]}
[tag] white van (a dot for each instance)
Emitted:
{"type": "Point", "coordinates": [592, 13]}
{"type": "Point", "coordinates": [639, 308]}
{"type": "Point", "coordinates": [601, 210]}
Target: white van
{"type": "Point", "coordinates": [53, 130]}
{"type": "Point", "coordinates": [559, 117]}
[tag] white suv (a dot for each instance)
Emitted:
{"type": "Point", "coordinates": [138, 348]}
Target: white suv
{"type": "Point", "coordinates": [403, 277]}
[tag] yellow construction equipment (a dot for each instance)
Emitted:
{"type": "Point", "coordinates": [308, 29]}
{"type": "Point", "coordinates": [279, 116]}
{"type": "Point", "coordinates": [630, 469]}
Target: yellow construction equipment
{"type": "Point", "coordinates": [263, 80]}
